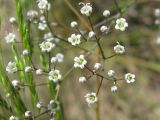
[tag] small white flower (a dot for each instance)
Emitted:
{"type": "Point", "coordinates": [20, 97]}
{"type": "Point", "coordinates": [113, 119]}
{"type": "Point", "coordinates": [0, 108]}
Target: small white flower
{"type": "Point", "coordinates": [111, 73]}
{"type": "Point", "coordinates": [97, 66]}
{"type": "Point", "coordinates": [119, 49]}
{"type": "Point", "coordinates": [15, 83]}
{"type": "Point", "coordinates": [39, 72]}
{"type": "Point", "coordinates": [114, 88]}
{"type": "Point", "coordinates": [28, 69]}
{"type": "Point", "coordinates": [103, 28]}
{"type": "Point", "coordinates": [12, 20]}
{"type": "Point", "coordinates": [86, 8]}
{"type": "Point", "coordinates": [48, 37]}
{"type": "Point", "coordinates": [91, 98]}
{"type": "Point", "coordinates": [55, 75]}
{"type": "Point", "coordinates": [130, 78]}
{"type": "Point", "coordinates": [39, 105]}
{"type": "Point", "coordinates": [32, 15]}
{"type": "Point", "coordinates": [53, 60]}
{"type": "Point", "coordinates": [106, 13]}
{"type": "Point", "coordinates": [73, 24]}
{"type": "Point", "coordinates": [157, 21]}
{"type": "Point", "coordinates": [80, 62]}
{"type": "Point", "coordinates": [60, 57]}
{"type": "Point", "coordinates": [158, 40]}
{"type": "Point", "coordinates": [42, 26]}
{"type": "Point", "coordinates": [75, 39]}
{"type": "Point", "coordinates": [11, 67]}
{"type": "Point", "coordinates": [43, 5]}
{"type": "Point", "coordinates": [28, 114]}
{"type": "Point", "coordinates": [82, 79]}
{"type": "Point", "coordinates": [13, 118]}
{"type": "Point", "coordinates": [91, 34]}
{"type": "Point", "coordinates": [53, 106]}
{"type": "Point", "coordinates": [121, 24]}
{"type": "Point", "coordinates": [25, 52]}
{"type": "Point", "coordinates": [47, 46]}
{"type": "Point", "coordinates": [157, 12]}
{"type": "Point", "coordinates": [10, 38]}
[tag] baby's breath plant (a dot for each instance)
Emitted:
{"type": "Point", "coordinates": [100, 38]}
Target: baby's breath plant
{"type": "Point", "coordinates": [48, 59]}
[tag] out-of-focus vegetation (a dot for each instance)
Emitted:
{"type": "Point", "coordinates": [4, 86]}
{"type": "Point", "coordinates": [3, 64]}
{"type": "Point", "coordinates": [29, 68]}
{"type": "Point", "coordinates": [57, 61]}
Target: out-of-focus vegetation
{"type": "Point", "coordinates": [139, 101]}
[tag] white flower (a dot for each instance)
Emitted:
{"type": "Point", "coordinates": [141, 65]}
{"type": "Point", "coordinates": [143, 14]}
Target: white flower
{"type": "Point", "coordinates": [80, 62]}
{"type": "Point", "coordinates": [55, 75]}
{"type": "Point", "coordinates": [157, 12]}
{"type": "Point", "coordinates": [10, 38]}
{"type": "Point", "coordinates": [91, 98]}
{"type": "Point", "coordinates": [12, 20]}
{"type": "Point", "coordinates": [121, 24]}
{"type": "Point", "coordinates": [11, 67]}
{"type": "Point", "coordinates": [13, 118]}
{"type": "Point", "coordinates": [32, 15]}
{"type": "Point", "coordinates": [28, 114]}
{"type": "Point", "coordinates": [39, 72]}
{"type": "Point", "coordinates": [103, 28]}
{"type": "Point", "coordinates": [97, 66]}
{"type": "Point", "coordinates": [60, 57]}
{"type": "Point", "coordinates": [91, 34]}
{"type": "Point", "coordinates": [86, 9]}
{"type": "Point", "coordinates": [158, 40]}
{"type": "Point", "coordinates": [43, 5]}
{"type": "Point", "coordinates": [114, 88]}
{"type": "Point", "coordinates": [73, 24]}
{"type": "Point", "coordinates": [106, 13]}
{"type": "Point", "coordinates": [53, 106]}
{"type": "Point", "coordinates": [111, 73]}
{"type": "Point", "coordinates": [39, 105]}
{"type": "Point", "coordinates": [82, 79]}
{"type": "Point", "coordinates": [42, 24]}
{"type": "Point", "coordinates": [157, 21]}
{"type": "Point", "coordinates": [130, 78]}
{"type": "Point", "coordinates": [15, 83]}
{"type": "Point", "coordinates": [28, 69]}
{"type": "Point", "coordinates": [48, 37]}
{"type": "Point", "coordinates": [47, 46]}
{"type": "Point", "coordinates": [75, 39]}
{"type": "Point", "coordinates": [53, 60]}
{"type": "Point", "coordinates": [119, 49]}
{"type": "Point", "coordinates": [25, 52]}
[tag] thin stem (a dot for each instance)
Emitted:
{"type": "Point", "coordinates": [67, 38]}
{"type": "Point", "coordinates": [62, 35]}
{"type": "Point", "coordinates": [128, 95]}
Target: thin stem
{"type": "Point", "coordinates": [117, 6]}
{"type": "Point", "coordinates": [81, 34]}
{"type": "Point", "coordinates": [99, 86]}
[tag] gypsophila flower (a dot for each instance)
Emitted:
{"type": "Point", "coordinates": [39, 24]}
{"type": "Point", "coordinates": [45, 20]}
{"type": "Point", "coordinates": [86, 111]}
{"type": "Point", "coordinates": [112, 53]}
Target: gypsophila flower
{"type": "Point", "coordinates": [32, 15]}
{"type": "Point", "coordinates": [157, 21]}
{"type": "Point", "coordinates": [28, 69]}
{"type": "Point", "coordinates": [53, 105]}
{"type": "Point", "coordinates": [86, 9]}
{"type": "Point", "coordinates": [119, 49]}
{"type": "Point", "coordinates": [91, 34]}
{"type": "Point", "coordinates": [158, 41]}
{"type": "Point", "coordinates": [97, 66]}
{"type": "Point", "coordinates": [25, 52]}
{"type": "Point", "coordinates": [60, 57]}
{"type": "Point", "coordinates": [121, 24]}
{"type": "Point", "coordinates": [11, 67]}
{"type": "Point", "coordinates": [73, 24]}
{"type": "Point", "coordinates": [42, 24]}
{"type": "Point", "coordinates": [91, 98]}
{"type": "Point", "coordinates": [39, 105]}
{"type": "Point", "coordinates": [13, 118]}
{"type": "Point", "coordinates": [28, 114]}
{"type": "Point", "coordinates": [82, 79]}
{"type": "Point", "coordinates": [114, 88]}
{"type": "Point", "coordinates": [12, 20]}
{"type": "Point", "coordinates": [103, 28]}
{"type": "Point", "coordinates": [53, 60]}
{"type": "Point", "coordinates": [75, 39]}
{"type": "Point", "coordinates": [80, 62]}
{"type": "Point", "coordinates": [157, 12]}
{"type": "Point", "coordinates": [55, 75]}
{"type": "Point", "coordinates": [130, 78]}
{"type": "Point", "coordinates": [10, 38]}
{"type": "Point", "coordinates": [48, 37]}
{"type": "Point", "coordinates": [47, 46]}
{"type": "Point", "coordinates": [111, 73]}
{"type": "Point", "coordinates": [106, 13]}
{"type": "Point", "coordinates": [39, 72]}
{"type": "Point", "coordinates": [15, 83]}
{"type": "Point", "coordinates": [43, 5]}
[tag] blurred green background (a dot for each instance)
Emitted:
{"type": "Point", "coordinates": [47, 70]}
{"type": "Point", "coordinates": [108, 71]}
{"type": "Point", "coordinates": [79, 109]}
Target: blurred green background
{"type": "Point", "coordinates": [139, 101]}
